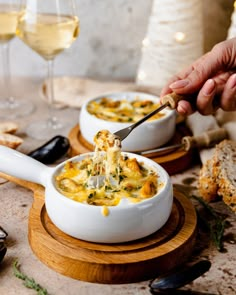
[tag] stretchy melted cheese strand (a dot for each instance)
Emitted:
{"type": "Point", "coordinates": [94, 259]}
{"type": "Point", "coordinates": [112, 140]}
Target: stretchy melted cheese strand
{"type": "Point", "coordinates": [108, 177]}
{"type": "Point", "coordinates": [107, 156]}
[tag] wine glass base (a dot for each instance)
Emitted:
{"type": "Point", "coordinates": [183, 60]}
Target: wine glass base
{"type": "Point", "coordinates": [45, 130]}
{"type": "Point", "coordinates": [15, 109]}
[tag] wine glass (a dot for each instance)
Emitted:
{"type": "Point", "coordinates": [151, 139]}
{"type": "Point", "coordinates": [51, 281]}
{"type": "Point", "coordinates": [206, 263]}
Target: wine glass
{"type": "Point", "coordinates": [10, 108]}
{"type": "Point", "coordinates": [48, 27]}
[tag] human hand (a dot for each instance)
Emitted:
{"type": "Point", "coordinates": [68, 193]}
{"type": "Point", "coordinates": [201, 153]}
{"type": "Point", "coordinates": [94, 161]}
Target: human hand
{"type": "Point", "coordinates": [210, 80]}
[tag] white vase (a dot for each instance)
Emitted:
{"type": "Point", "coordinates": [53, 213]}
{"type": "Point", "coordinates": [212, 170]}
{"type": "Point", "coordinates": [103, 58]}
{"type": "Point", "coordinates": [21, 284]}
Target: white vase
{"type": "Point", "coordinates": [174, 39]}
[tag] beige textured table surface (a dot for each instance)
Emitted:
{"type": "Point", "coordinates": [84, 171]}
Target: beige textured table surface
{"type": "Point", "coordinates": [14, 210]}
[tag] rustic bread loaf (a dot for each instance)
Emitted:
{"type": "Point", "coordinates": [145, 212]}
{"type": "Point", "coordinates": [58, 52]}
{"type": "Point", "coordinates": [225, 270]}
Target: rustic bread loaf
{"type": "Point", "coordinates": [217, 176]}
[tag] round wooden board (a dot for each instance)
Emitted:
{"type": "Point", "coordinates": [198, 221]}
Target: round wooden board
{"type": "Point", "coordinates": [173, 162]}
{"type": "Point", "coordinates": [114, 263]}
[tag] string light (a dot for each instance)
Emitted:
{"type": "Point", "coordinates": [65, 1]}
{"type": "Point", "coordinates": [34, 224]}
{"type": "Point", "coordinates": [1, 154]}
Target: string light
{"type": "Point", "coordinates": [142, 76]}
{"type": "Point", "coordinates": [146, 42]}
{"type": "Point", "coordinates": [170, 45]}
{"type": "Point", "coordinates": [180, 37]}
{"type": "Point", "coordinates": [232, 28]}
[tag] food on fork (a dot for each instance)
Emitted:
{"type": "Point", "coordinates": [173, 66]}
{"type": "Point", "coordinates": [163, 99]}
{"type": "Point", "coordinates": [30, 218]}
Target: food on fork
{"type": "Point", "coordinates": [105, 140]}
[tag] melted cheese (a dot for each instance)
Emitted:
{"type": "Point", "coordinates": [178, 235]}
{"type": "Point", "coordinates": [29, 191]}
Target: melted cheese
{"type": "Point", "coordinates": [105, 211]}
{"type": "Point", "coordinates": [123, 110]}
{"type": "Point", "coordinates": [108, 177]}
{"type": "Point", "coordinates": [108, 161]}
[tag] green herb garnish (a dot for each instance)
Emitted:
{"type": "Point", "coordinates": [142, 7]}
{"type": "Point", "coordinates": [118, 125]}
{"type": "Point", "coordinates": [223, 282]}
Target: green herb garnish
{"type": "Point", "coordinates": [108, 188]}
{"type": "Point", "coordinates": [28, 282]}
{"type": "Point", "coordinates": [216, 224]}
{"type": "Point", "coordinates": [89, 172]}
{"type": "Point", "coordinates": [91, 195]}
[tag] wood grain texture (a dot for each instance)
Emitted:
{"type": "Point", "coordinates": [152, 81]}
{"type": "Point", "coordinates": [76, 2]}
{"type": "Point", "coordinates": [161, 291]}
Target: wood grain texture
{"type": "Point", "coordinates": [114, 263]}
{"type": "Point", "coordinates": [121, 263]}
{"type": "Point", "coordinates": [174, 162]}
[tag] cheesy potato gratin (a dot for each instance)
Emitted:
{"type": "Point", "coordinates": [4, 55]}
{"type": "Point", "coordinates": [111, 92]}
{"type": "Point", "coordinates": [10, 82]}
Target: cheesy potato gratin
{"type": "Point", "coordinates": [107, 177]}
{"type": "Point", "coordinates": [123, 111]}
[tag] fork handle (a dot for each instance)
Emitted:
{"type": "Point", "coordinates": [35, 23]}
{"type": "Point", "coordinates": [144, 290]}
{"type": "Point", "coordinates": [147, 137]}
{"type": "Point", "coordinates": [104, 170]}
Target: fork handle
{"type": "Point", "coordinates": [172, 99]}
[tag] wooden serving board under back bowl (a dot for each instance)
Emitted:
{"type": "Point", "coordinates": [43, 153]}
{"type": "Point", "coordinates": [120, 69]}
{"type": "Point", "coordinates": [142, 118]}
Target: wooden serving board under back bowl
{"type": "Point", "coordinates": [121, 263]}
{"type": "Point", "coordinates": [173, 162]}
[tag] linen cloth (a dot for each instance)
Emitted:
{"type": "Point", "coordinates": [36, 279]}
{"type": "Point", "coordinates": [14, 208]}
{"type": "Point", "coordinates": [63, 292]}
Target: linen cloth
{"type": "Point", "coordinates": [74, 91]}
{"type": "Point", "coordinates": [198, 124]}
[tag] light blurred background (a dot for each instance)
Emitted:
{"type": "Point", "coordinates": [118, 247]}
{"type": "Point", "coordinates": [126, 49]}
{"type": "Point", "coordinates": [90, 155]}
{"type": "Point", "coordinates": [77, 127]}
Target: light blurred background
{"type": "Point", "coordinates": [109, 45]}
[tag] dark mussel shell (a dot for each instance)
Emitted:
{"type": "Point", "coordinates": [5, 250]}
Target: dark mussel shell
{"type": "Point", "coordinates": [3, 234]}
{"type": "Point", "coordinates": [3, 249]}
{"type": "Point", "coordinates": [51, 151]}
{"type": "Point", "coordinates": [179, 292]}
{"type": "Point", "coordinates": [182, 277]}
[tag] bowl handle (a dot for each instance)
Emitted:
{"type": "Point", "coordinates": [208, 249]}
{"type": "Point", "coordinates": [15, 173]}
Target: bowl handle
{"type": "Point", "coordinates": [21, 166]}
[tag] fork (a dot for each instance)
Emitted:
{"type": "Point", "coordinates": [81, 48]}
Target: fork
{"type": "Point", "coordinates": [170, 100]}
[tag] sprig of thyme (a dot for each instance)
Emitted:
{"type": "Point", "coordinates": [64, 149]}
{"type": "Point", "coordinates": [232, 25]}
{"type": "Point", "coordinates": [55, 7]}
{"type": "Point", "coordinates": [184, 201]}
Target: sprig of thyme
{"type": "Point", "coordinates": [28, 282]}
{"type": "Point", "coordinates": [216, 226]}
{"type": "Point", "coordinates": [217, 232]}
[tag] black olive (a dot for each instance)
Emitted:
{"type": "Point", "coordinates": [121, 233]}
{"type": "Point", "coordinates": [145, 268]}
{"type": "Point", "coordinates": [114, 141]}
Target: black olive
{"type": "Point", "coordinates": [51, 151]}
{"type": "Point", "coordinates": [180, 278]}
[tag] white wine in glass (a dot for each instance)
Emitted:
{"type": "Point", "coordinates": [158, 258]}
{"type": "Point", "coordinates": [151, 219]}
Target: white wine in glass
{"type": "Point", "coordinates": [48, 27]}
{"type": "Point", "coordinates": [10, 107]}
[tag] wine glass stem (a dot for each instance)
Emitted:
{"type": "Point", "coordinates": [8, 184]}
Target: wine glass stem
{"type": "Point", "coordinates": [6, 73]}
{"type": "Point", "coordinates": [53, 121]}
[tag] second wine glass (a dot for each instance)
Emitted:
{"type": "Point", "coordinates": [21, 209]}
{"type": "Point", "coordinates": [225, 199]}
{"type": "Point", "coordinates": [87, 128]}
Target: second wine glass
{"type": "Point", "coordinates": [48, 28]}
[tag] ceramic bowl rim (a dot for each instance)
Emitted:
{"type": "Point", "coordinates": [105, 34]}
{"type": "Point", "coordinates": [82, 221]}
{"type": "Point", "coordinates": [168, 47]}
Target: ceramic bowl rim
{"type": "Point", "coordinates": [168, 112]}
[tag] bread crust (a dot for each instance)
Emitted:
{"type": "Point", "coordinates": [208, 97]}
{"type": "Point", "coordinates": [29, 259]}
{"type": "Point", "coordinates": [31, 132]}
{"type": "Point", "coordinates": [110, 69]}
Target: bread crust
{"type": "Point", "coordinates": [217, 176]}
{"type": "Point", "coordinates": [6, 135]}
{"type": "Point", "coordinates": [8, 127]}
{"type": "Point", "coordinates": [207, 183]}
{"type": "Point", "coordinates": [10, 140]}
{"type": "Point", "coordinates": [226, 170]}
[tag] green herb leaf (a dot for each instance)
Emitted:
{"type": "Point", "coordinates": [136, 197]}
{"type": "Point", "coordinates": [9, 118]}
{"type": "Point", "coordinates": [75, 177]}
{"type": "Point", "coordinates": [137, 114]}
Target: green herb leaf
{"type": "Point", "coordinates": [217, 232]}
{"type": "Point", "coordinates": [28, 282]}
{"type": "Point", "coordinates": [216, 225]}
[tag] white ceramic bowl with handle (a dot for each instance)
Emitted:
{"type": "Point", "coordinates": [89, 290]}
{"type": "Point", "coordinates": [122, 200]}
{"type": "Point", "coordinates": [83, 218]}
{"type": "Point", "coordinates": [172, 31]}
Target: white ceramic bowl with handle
{"type": "Point", "coordinates": [147, 136]}
{"type": "Point", "coordinates": [125, 222]}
